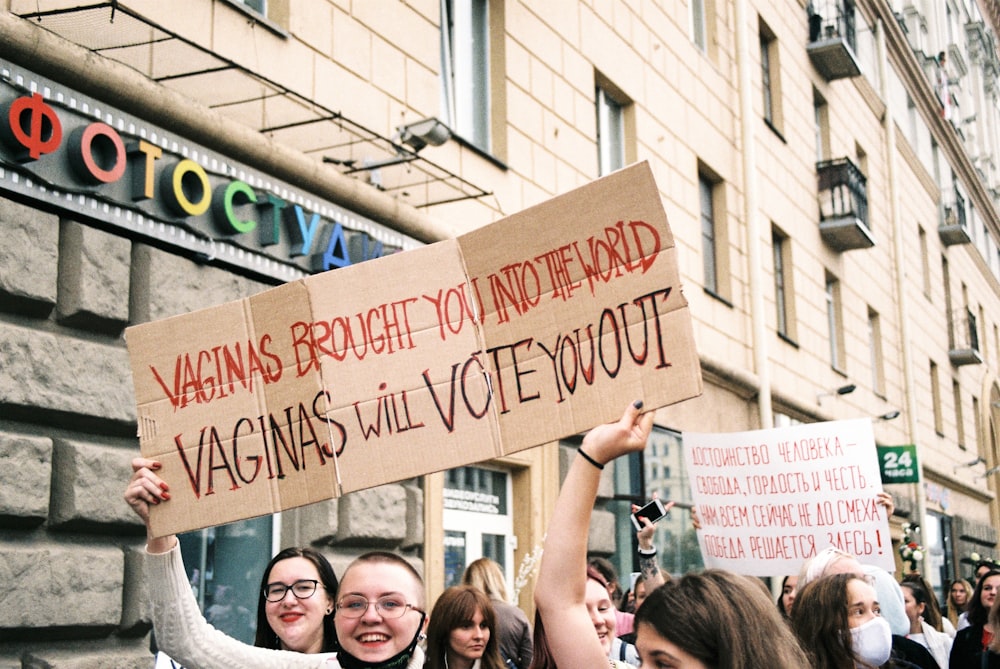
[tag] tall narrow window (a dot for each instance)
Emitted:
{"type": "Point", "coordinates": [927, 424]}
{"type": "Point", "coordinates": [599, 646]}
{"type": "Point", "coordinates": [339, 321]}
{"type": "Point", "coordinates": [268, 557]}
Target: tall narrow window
{"type": "Point", "coordinates": [821, 117]}
{"type": "Point", "coordinates": [946, 280]}
{"type": "Point", "coordinates": [956, 392]}
{"type": "Point", "coordinates": [783, 289]}
{"type": "Point", "coordinates": [983, 340]}
{"type": "Point", "coordinates": [834, 323]}
{"type": "Point", "coordinates": [936, 398]}
{"type": "Point", "coordinates": [770, 77]}
{"type": "Point", "coordinates": [976, 426]}
{"type": "Point", "coordinates": [925, 268]}
{"type": "Point", "coordinates": [465, 72]}
{"type": "Point", "coordinates": [699, 24]}
{"type": "Point", "coordinates": [875, 346]}
{"type": "Point", "coordinates": [610, 133]}
{"type": "Point", "coordinates": [708, 240]}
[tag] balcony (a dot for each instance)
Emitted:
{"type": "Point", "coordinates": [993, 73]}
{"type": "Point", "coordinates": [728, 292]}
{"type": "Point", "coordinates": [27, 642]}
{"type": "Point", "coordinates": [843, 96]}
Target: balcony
{"type": "Point", "coordinates": [843, 206]}
{"type": "Point", "coordinates": [965, 339]}
{"type": "Point", "coordinates": [953, 228]}
{"type": "Point", "coordinates": [832, 38]}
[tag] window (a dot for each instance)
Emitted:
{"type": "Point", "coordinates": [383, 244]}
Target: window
{"type": "Point", "coordinates": [477, 520]}
{"type": "Point", "coordinates": [821, 116]}
{"type": "Point", "coordinates": [956, 393]}
{"type": "Point", "coordinates": [875, 346]}
{"type": "Point", "coordinates": [946, 280]}
{"type": "Point", "coordinates": [709, 241]}
{"type": "Point", "coordinates": [936, 398]}
{"type": "Point", "coordinates": [834, 322]}
{"type": "Point", "coordinates": [984, 340]}
{"type": "Point", "coordinates": [610, 133]}
{"type": "Point", "coordinates": [976, 426]}
{"type": "Point", "coordinates": [925, 267]}
{"type": "Point", "coordinates": [996, 340]}
{"type": "Point", "coordinates": [770, 77]}
{"type": "Point", "coordinates": [224, 565]}
{"type": "Point", "coordinates": [465, 69]}
{"type": "Point", "coordinates": [699, 27]}
{"type": "Point", "coordinates": [259, 6]}
{"type": "Point", "coordinates": [781, 252]}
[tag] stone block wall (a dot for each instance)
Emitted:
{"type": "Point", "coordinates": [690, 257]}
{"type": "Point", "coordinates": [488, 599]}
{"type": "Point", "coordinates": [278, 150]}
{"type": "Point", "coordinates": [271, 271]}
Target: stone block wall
{"type": "Point", "coordinates": [70, 548]}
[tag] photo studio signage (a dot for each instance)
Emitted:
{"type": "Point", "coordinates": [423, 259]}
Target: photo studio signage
{"type": "Point", "coordinates": [68, 153]}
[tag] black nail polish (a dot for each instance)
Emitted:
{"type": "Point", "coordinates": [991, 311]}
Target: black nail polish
{"type": "Point", "coordinates": [637, 404]}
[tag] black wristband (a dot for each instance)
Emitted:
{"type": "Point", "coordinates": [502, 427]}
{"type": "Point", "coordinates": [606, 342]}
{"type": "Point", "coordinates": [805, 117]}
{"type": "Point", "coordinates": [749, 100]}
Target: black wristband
{"type": "Point", "coordinates": [589, 459]}
{"type": "Point", "coordinates": [648, 552]}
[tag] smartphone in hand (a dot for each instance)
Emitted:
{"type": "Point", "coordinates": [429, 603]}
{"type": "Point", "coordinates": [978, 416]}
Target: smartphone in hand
{"type": "Point", "coordinates": [653, 510]}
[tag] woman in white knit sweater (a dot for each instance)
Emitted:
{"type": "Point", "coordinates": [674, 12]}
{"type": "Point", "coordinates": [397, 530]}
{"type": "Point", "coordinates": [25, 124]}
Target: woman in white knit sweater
{"type": "Point", "coordinates": [378, 609]}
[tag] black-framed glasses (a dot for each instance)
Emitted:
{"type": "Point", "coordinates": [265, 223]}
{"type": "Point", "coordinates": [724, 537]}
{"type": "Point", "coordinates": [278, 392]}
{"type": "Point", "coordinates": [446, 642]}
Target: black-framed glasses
{"type": "Point", "coordinates": [303, 589]}
{"type": "Point", "coordinates": [389, 606]}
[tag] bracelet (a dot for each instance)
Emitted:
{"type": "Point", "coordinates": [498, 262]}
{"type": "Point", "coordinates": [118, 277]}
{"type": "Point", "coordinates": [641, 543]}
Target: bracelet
{"type": "Point", "coordinates": [589, 459]}
{"type": "Point", "coordinates": [649, 552]}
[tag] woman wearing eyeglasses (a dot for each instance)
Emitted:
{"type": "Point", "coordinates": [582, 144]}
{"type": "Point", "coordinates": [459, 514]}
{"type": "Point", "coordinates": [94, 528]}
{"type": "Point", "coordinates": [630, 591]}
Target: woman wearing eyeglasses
{"type": "Point", "coordinates": [377, 613]}
{"type": "Point", "coordinates": [296, 603]}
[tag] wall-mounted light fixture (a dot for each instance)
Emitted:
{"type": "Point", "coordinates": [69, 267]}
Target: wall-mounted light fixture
{"type": "Point", "coordinates": [420, 133]}
{"type": "Point", "coordinates": [842, 390]}
{"type": "Point", "coordinates": [889, 415]}
{"type": "Point", "coordinates": [971, 463]}
{"type": "Point", "coordinates": [416, 135]}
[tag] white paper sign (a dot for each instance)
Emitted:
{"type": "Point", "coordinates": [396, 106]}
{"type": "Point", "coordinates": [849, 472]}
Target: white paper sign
{"type": "Point", "coordinates": [770, 499]}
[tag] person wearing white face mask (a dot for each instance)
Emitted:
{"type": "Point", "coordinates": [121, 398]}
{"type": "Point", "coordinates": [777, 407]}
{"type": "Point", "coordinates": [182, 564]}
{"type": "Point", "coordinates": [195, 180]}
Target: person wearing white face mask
{"type": "Point", "coordinates": [839, 624]}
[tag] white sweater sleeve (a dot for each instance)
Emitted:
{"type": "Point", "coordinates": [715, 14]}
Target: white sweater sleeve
{"type": "Point", "coordinates": [184, 634]}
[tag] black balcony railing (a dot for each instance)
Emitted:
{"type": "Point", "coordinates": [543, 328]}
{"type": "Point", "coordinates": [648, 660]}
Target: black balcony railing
{"type": "Point", "coordinates": [833, 40]}
{"type": "Point", "coordinates": [843, 205]}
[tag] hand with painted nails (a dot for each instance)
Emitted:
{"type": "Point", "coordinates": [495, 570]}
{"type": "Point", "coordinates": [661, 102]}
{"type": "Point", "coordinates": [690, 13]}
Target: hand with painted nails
{"type": "Point", "coordinates": [146, 489]}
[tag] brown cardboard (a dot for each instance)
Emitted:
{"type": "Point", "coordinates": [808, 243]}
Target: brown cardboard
{"type": "Point", "coordinates": [412, 397]}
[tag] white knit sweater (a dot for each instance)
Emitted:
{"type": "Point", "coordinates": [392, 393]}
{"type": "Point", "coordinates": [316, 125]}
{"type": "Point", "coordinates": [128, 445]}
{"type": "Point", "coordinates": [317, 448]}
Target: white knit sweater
{"type": "Point", "coordinates": [184, 634]}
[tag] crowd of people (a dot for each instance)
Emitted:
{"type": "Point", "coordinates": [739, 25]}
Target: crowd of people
{"type": "Point", "coordinates": [834, 614]}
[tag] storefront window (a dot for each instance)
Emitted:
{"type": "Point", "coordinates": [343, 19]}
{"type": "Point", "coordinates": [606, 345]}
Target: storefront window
{"type": "Point", "coordinates": [477, 520]}
{"type": "Point", "coordinates": [224, 566]}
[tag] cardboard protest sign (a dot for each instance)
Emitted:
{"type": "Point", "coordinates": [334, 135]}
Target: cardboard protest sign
{"type": "Point", "coordinates": [768, 500]}
{"type": "Point", "coordinates": [539, 326]}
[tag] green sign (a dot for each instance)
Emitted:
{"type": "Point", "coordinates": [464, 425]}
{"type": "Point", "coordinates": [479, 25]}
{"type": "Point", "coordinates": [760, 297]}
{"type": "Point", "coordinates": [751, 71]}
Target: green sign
{"type": "Point", "coordinates": [898, 464]}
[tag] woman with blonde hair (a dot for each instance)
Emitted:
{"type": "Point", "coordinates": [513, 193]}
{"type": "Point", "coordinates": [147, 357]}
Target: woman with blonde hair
{"type": "Point", "coordinates": [513, 629]}
{"type": "Point", "coordinates": [959, 596]}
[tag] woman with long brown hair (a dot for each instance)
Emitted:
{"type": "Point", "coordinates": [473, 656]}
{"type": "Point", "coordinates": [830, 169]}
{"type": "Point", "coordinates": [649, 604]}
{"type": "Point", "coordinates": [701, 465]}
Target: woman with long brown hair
{"type": "Point", "coordinates": [461, 633]}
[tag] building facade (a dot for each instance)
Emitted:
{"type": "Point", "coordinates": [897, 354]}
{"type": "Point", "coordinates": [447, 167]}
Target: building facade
{"type": "Point", "coordinates": [829, 168]}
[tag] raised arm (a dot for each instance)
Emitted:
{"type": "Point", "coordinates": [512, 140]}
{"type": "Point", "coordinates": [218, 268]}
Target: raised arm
{"type": "Point", "coordinates": [559, 591]}
{"type": "Point", "coordinates": [649, 565]}
{"type": "Point", "coordinates": [181, 630]}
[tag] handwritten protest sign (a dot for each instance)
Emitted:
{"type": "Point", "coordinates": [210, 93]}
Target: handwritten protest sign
{"type": "Point", "coordinates": [533, 328]}
{"type": "Point", "coordinates": [769, 499]}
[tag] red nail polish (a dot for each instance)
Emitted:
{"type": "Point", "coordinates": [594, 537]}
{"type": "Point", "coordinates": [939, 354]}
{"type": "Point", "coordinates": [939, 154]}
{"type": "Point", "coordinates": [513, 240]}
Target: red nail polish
{"type": "Point", "coordinates": [166, 495]}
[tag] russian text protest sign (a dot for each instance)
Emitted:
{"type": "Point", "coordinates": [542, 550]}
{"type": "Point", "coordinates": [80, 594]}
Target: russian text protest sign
{"type": "Point", "coordinates": [536, 327]}
{"type": "Point", "coordinates": [769, 499]}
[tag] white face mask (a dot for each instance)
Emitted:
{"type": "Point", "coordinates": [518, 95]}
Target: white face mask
{"type": "Point", "coordinates": [872, 641]}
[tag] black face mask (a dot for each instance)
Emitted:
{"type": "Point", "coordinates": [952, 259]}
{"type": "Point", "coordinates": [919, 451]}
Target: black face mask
{"type": "Point", "coordinates": [397, 661]}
